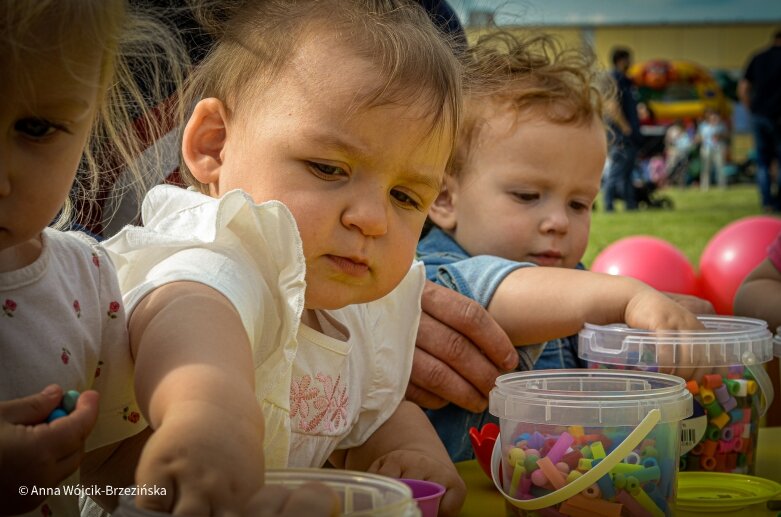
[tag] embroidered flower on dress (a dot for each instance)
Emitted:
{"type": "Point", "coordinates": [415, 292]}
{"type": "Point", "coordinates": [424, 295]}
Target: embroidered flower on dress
{"type": "Point", "coordinates": [131, 416]}
{"type": "Point", "coordinates": [329, 405]}
{"type": "Point", "coordinates": [95, 259]}
{"type": "Point", "coordinates": [9, 307]}
{"type": "Point", "coordinates": [97, 370]}
{"type": "Point", "coordinates": [300, 395]}
{"type": "Point", "coordinates": [77, 308]}
{"type": "Point", "coordinates": [113, 309]}
{"type": "Point", "coordinates": [65, 356]}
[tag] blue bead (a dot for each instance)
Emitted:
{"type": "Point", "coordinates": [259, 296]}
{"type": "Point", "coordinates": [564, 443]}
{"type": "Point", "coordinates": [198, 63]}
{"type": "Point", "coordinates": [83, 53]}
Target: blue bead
{"type": "Point", "coordinates": [57, 413]}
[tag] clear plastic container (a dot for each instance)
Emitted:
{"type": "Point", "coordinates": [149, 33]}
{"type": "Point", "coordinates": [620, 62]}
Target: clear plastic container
{"type": "Point", "coordinates": [725, 374]}
{"type": "Point", "coordinates": [588, 442]}
{"type": "Point", "coordinates": [360, 493]}
{"type": "Point", "coordinates": [777, 348]}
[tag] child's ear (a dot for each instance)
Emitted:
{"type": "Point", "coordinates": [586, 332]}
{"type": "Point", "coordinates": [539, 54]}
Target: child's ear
{"type": "Point", "coordinates": [204, 139]}
{"type": "Point", "coordinates": [443, 210]}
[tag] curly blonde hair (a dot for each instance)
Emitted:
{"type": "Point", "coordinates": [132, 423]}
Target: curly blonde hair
{"type": "Point", "coordinates": [527, 74]}
{"type": "Point", "coordinates": [257, 38]}
{"type": "Point", "coordinates": [142, 62]}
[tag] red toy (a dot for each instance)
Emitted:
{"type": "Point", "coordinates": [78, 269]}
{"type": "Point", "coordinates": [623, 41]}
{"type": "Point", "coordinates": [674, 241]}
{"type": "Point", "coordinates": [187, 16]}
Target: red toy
{"type": "Point", "coordinates": [483, 443]}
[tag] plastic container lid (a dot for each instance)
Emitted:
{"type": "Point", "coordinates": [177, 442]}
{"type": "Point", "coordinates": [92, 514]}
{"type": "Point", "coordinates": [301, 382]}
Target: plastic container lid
{"type": "Point", "coordinates": [721, 492]}
{"type": "Point", "coordinates": [602, 398]}
{"type": "Point", "coordinates": [726, 341]}
{"type": "Point", "coordinates": [361, 493]}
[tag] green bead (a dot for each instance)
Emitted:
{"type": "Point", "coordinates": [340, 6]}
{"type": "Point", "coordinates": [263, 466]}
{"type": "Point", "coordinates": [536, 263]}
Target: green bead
{"type": "Point", "coordinates": [69, 400]}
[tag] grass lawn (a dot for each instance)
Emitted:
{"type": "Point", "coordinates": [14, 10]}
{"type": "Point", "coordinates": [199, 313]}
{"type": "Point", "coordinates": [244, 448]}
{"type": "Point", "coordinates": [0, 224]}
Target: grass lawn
{"type": "Point", "coordinates": [689, 226]}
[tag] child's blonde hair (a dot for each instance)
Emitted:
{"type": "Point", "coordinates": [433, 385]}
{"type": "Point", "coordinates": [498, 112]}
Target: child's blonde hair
{"type": "Point", "coordinates": [522, 74]}
{"type": "Point", "coordinates": [143, 61]}
{"type": "Point", "coordinates": [256, 38]}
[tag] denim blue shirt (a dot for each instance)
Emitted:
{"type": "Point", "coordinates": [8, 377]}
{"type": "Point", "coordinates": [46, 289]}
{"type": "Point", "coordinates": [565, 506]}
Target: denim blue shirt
{"type": "Point", "coordinates": [478, 277]}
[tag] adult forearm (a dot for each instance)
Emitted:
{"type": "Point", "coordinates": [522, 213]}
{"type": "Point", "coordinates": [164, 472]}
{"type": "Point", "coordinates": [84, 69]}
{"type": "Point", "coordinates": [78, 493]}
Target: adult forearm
{"type": "Point", "coordinates": [760, 295]}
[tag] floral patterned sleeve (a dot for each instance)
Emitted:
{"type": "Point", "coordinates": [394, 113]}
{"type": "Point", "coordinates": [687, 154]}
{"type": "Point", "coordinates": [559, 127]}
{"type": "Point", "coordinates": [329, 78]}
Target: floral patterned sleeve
{"type": "Point", "coordinates": [119, 416]}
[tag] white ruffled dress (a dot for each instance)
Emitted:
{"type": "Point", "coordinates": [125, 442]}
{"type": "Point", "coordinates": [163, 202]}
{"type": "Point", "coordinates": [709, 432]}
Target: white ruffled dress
{"type": "Point", "coordinates": [319, 391]}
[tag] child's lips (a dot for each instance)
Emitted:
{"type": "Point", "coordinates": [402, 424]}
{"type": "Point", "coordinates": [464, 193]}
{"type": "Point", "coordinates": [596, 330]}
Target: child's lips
{"type": "Point", "coordinates": [353, 266]}
{"type": "Point", "coordinates": [547, 258]}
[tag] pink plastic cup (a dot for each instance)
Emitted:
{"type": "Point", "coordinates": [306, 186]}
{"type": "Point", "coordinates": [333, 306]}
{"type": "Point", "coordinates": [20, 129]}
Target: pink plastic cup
{"type": "Point", "coordinates": [427, 494]}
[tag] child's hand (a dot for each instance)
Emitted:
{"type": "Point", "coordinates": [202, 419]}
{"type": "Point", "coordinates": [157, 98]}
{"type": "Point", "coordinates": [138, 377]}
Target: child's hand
{"type": "Point", "coordinates": [206, 457]}
{"type": "Point", "coordinates": [310, 499]}
{"type": "Point", "coordinates": [652, 310]}
{"type": "Point", "coordinates": [36, 453]}
{"type": "Point", "coordinates": [693, 304]}
{"type": "Point", "coordinates": [414, 465]}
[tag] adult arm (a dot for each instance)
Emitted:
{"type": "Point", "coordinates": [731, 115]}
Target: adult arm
{"type": "Point", "coordinates": [759, 296]}
{"type": "Point", "coordinates": [459, 352]}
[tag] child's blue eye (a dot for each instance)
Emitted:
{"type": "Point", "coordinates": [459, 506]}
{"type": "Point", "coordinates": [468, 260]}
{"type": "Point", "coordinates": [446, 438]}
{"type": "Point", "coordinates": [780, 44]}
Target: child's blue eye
{"type": "Point", "coordinates": [579, 206]}
{"type": "Point", "coordinates": [35, 127]}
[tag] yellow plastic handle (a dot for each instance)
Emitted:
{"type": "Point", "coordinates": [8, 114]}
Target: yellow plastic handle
{"type": "Point", "coordinates": [763, 380]}
{"type": "Point", "coordinates": [586, 480]}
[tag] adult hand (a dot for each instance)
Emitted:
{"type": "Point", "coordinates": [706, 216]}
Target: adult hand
{"type": "Point", "coordinates": [459, 352]}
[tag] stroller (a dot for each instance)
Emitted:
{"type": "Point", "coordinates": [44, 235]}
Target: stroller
{"type": "Point", "coordinates": [650, 174]}
{"type": "Point", "coordinates": [648, 177]}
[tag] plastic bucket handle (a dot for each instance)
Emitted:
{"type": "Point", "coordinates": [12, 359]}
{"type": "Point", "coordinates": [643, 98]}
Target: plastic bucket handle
{"type": "Point", "coordinates": [762, 378]}
{"type": "Point", "coordinates": [632, 440]}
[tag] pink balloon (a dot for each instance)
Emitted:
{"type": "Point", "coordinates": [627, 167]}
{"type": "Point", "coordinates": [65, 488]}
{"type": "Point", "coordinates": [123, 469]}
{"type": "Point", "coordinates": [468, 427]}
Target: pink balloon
{"type": "Point", "coordinates": [650, 259]}
{"type": "Point", "coordinates": [731, 255]}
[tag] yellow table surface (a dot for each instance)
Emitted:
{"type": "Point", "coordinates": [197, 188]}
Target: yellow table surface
{"type": "Point", "coordinates": [482, 498]}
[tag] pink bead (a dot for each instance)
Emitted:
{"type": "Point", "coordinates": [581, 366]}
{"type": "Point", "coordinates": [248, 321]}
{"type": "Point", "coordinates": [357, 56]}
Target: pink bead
{"type": "Point", "coordinates": [538, 478]}
{"type": "Point", "coordinates": [563, 467]}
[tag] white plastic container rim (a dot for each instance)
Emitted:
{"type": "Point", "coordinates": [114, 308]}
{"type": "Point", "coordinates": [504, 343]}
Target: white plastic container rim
{"type": "Point", "coordinates": [389, 497]}
{"type": "Point", "coordinates": [589, 398]}
{"type": "Point", "coordinates": [726, 341]}
{"type": "Point", "coordinates": [777, 343]}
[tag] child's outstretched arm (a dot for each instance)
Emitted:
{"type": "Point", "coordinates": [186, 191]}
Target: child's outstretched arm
{"type": "Point", "coordinates": [36, 453]}
{"type": "Point", "coordinates": [759, 296]}
{"type": "Point", "coordinates": [195, 383]}
{"type": "Point", "coordinates": [537, 304]}
{"type": "Point", "coordinates": [406, 446]}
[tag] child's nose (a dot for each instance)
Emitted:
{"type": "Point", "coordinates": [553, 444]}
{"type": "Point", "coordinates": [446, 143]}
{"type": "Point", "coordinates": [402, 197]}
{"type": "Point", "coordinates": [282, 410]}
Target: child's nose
{"type": "Point", "coordinates": [556, 221]}
{"type": "Point", "coordinates": [367, 212]}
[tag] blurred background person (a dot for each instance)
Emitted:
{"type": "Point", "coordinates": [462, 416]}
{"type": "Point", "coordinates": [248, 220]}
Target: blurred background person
{"type": "Point", "coordinates": [712, 135]}
{"type": "Point", "coordinates": [760, 91]}
{"type": "Point", "coordinates": [624, 124]}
